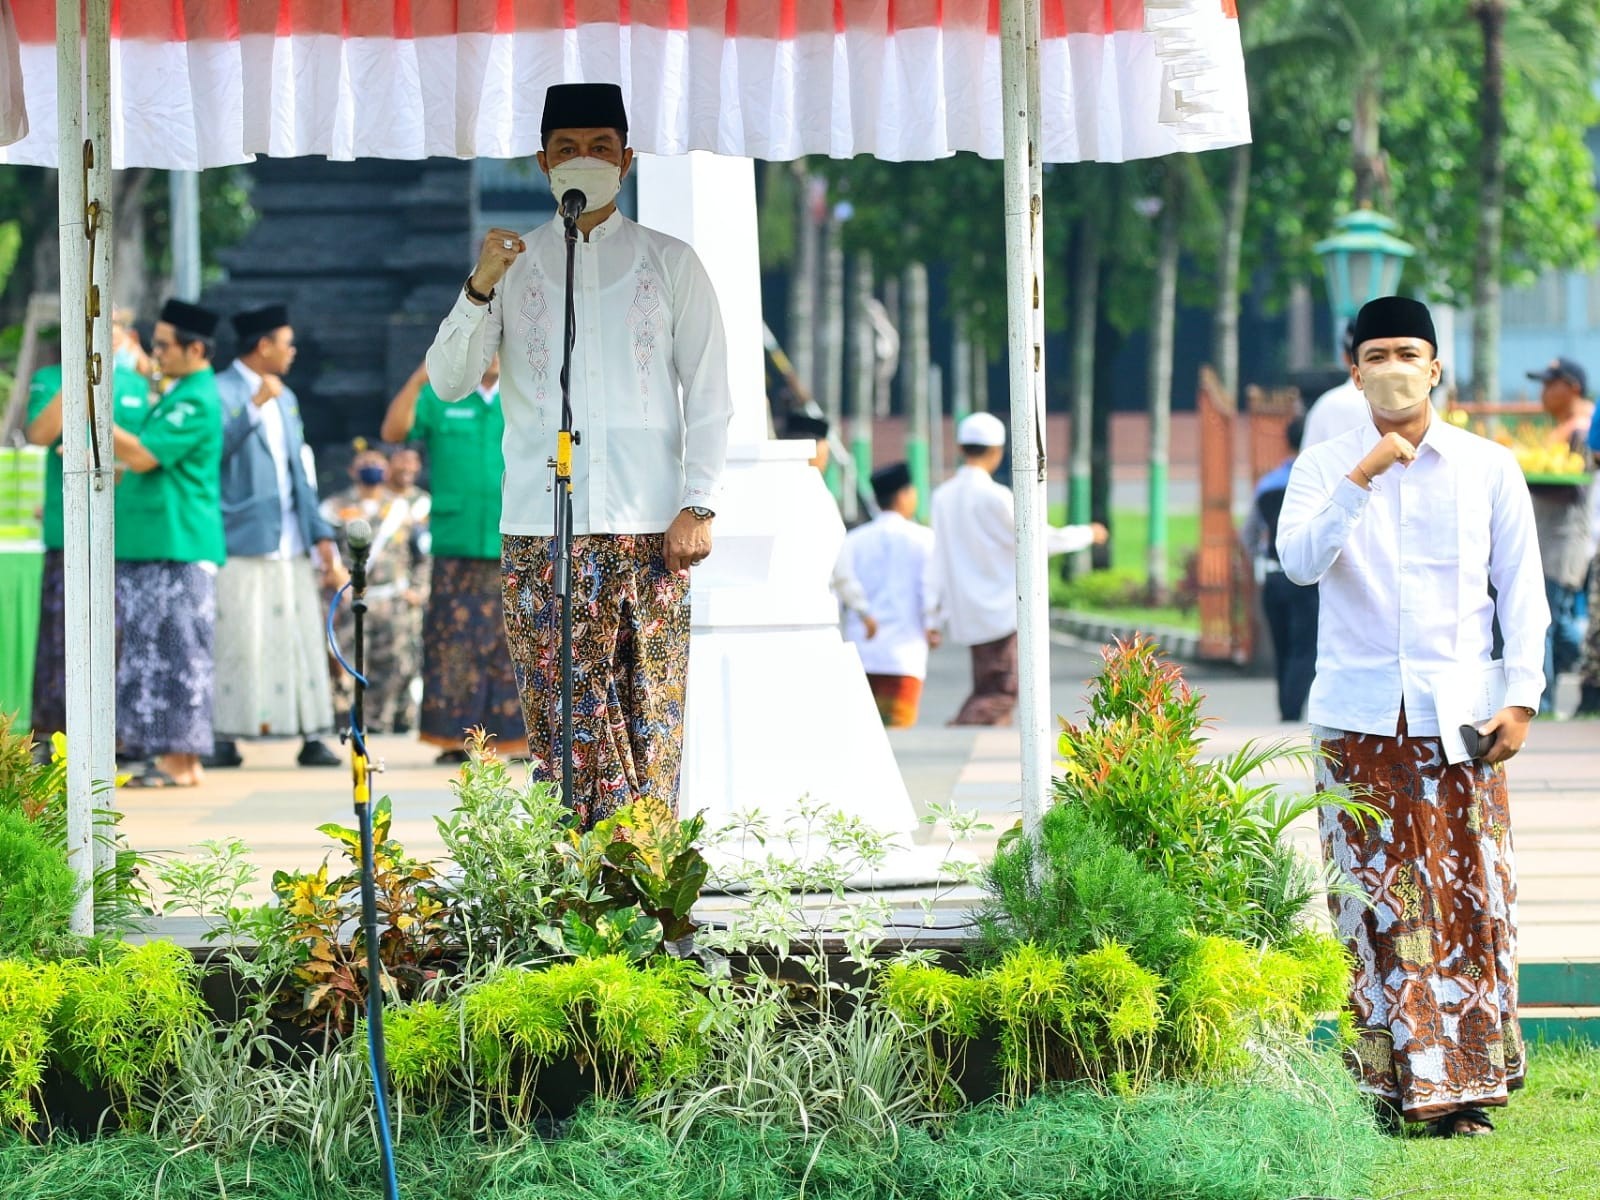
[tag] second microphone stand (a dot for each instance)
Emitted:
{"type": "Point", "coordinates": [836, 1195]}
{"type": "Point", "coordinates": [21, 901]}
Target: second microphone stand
{"type": "Point", "coordinates": [561, 547]}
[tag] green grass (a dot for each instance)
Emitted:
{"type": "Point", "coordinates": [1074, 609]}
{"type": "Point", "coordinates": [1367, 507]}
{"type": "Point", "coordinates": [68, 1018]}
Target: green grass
{"type": "Point", "coordinates": [1130, 538]}
{"type": "Point", "coordinates": [1114, 594]}
{"type": "Point", "coordinates": [1237, 1142]}
{"type": "Point", "coordinates": [1546, 1144]}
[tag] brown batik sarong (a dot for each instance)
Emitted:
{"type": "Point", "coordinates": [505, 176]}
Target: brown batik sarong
{"type": "Point", "coordinates": [994, 684]}
{"type": "Point", "coordinates": [1435, 988]}
{"type": "Point", "coordinates": [630, 636]}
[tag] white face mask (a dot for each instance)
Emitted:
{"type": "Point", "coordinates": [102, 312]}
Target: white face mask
{"type": "Point", "coordinates": [597, 179]}
{"type": "Point", "coordinates": [1396, 389]}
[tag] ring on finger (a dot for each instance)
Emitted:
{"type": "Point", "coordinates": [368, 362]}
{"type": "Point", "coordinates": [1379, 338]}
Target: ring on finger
{"type": "Point", "coordinates": [509, 244]}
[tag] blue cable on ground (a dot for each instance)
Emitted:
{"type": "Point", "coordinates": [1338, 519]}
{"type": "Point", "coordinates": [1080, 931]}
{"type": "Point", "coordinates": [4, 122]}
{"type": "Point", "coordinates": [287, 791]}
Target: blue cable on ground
{"type": "Point", "coordinates": [358, 743]}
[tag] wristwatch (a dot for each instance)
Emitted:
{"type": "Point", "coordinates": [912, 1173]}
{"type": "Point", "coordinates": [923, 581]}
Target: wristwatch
{"type": "Point", "coordinates": [699, 512]}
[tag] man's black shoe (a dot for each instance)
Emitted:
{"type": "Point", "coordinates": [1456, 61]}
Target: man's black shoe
{"type": "Point", "coordinates": [223, 754]}
{"type": "Point", "coordinates": [315, 754]}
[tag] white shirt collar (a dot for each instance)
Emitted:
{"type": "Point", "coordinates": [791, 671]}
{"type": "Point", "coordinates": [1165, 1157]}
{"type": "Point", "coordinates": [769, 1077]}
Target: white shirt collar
{"type": "Point", "coordinates": [250, 376]}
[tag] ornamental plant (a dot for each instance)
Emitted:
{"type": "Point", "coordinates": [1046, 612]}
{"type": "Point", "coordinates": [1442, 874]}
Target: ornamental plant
{"type": "Point", "coordinates": [1215, 836]}
{"type": "Point", "coordinates": [38, 890]}
{"type": "Point", "coordinates": [29, 996]}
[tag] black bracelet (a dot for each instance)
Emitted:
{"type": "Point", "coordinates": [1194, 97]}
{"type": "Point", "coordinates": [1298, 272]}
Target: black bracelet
{"type": "Point", "coordinates": [474, 294]}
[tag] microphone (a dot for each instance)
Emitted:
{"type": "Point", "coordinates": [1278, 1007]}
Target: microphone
{"type": "Point", "coordinates": [359, 535]}
{"type": "Point", "coordinates": [572, 204]}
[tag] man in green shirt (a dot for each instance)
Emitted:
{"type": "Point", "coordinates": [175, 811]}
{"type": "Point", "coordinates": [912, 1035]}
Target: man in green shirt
{"type": "Point", "coordinates": [130, 395]}
{"type": "Point", "coordinates": [169, 544]}
{"type": "Point", "coordinates": [467, 676]}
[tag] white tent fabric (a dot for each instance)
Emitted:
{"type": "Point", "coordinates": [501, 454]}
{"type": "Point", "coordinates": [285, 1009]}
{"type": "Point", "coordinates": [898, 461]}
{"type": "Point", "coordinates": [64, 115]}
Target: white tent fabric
{"type": "Point", "coordinates": [202, 83]}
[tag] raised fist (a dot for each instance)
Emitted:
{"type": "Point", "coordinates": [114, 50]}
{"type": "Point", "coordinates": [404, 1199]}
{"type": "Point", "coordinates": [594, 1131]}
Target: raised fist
{"type": "Point", "coordinates": [501, 247]}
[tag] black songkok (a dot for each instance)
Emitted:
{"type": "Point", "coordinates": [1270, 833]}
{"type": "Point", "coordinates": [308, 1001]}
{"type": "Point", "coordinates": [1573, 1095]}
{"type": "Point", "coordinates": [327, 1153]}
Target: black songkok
{"type": "Point", "coordinates": [887, 482]}
{"type": "Point", "coordinates": [254, 325]}
{"type": "Point", "coordinates": [190, 318]}
{"type": "Point", "coordinates": [1393, 317]}
{"type": "Point", "coordinates": [583, 106]}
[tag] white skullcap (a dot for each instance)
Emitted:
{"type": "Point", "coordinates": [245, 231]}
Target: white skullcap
{"type": "Point", "coordinates": [981, 429]}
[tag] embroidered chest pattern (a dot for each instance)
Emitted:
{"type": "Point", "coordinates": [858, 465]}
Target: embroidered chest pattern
{"type": "Point", "coordinates": [536, 335]}
{"type": "Point", "coordinates": [647, 321]}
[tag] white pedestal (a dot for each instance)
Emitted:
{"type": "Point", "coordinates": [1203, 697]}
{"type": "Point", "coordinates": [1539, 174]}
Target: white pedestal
{"type": "Point", "coordinates": [778, 704]}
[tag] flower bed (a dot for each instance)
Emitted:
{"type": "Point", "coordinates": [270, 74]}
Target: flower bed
{"type": "Point", "coordinates": [1132, 1014]}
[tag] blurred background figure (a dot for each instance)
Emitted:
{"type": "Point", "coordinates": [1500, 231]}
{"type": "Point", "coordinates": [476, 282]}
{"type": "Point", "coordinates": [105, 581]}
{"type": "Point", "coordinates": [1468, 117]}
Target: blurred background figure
{"type": "Point", "coordinates": [889, 559]}
{"type": "Point", "coordinates": [1291, 610]}
{"type": "Point", "coordinates": [1561, 514]}
{"type": "Point", "coordinates": [397, 589]}
{"type": "Point", "coordinates": [467, 676]}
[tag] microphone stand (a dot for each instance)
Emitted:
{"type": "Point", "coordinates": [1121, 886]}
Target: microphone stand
{"type": "Point", "coordinates": [361, 770]}
{"type": "Point", "coordinates": [561, 547]}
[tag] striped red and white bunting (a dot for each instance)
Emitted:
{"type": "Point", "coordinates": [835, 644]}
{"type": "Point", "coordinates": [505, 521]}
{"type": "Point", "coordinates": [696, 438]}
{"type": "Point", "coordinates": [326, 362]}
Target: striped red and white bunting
{"type": "Point", "coordinates": [199, 83]}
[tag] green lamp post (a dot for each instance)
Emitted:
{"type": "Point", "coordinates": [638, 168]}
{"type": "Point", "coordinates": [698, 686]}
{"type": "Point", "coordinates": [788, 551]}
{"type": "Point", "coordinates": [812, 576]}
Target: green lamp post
{"type": "Point", "coordinates": [1361, 262]}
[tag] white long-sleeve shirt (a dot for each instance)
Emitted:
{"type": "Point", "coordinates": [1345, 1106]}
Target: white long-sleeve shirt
{"type": "Point", "coordinates": [972, 574]}
{"type": "Point", "coordinates": [1404, 572]}
{"type": "Point", "coordinates": [889, 557]}
{"type": "Point", "coordinates": [650, 395]}
{"type": "Point", "coordinates": [1337, 411]}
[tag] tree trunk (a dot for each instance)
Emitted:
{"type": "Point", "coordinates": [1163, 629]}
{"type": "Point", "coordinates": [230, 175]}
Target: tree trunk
{"type": "Point", "coordinates": [1163, 320]}
{"type": "Point", "coordinates": [1372, 187]}
{"type": "Point", "coordinates": [895, 367]}
{"type": "Point", "coordinates": [830, 390]}
{"type": "Point", "coordinates": [960, 370]}
{"type": "Point", "coordinates": [130, 282]}
{"type": "Point", "coordinates": [914, 379]}
{"type": "Point", "coordinates": [864, 376]}
{"type": "Point", "coordinates": [802, 332]}
{"type": "Point", "coordinates": [1085, 307]}
{"type": "Point", "coordinates": [1225, 324]}
{"type": "Point", "coordinates": [1491, 15]}
{"type": "Point", "coordinates": [980, 375]}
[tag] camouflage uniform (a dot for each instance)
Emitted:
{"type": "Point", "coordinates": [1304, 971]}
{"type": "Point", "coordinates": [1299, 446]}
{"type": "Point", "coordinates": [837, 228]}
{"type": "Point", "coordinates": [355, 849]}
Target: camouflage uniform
{"type": "Point", "coordinates": [397, 591]}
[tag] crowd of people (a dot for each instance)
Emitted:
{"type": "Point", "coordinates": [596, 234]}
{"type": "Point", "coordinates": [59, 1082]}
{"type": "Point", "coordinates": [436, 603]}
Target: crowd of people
{"type": "Point", "coordinates": [228, 561]}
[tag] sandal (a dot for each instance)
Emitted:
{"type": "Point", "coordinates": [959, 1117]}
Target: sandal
{"type": "Point", "coordinates": [153, 777]}
{"type": "Point", "coordinates": [1464, 1122]}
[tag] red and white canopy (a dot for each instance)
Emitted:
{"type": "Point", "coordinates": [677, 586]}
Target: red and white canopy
{"type": "Point", "coordinates": [200, 83]}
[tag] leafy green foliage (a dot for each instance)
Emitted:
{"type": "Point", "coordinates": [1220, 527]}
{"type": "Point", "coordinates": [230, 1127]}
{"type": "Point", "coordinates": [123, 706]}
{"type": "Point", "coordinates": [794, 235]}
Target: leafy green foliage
{"type": "Point", "coordinates": [330, 971]}
{"type": "Point", "coordinates": [38, 890]}
{"type": "Point", "coordinates": [1209, 829]}
{"type": "Point", "coordinates": [38, 790]}
{"type": "Point", "coordinates": [29, 996]}
{"type": "Point", "coordinates": [529, 882]}
{"type": "Point", "coordinates": [636, 1027]}
{"type": "Point", "coordinates": [1074, 888]}
{"type": "Point", "coordinates": [123, 1018]}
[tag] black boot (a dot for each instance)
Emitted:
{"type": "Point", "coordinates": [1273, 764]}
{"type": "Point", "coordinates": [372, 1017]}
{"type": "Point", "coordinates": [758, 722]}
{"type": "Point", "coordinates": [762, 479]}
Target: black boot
{"type": "Point", "coordinates": [315, 753]}
{"type": "Point", "coordinates": [224, 753]}
{"type": "Point", "coordinates": [1588, 701]}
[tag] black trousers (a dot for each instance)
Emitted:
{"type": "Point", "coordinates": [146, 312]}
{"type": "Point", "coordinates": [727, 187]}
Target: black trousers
{"type": "Point", "coordinates": [1291, 612]}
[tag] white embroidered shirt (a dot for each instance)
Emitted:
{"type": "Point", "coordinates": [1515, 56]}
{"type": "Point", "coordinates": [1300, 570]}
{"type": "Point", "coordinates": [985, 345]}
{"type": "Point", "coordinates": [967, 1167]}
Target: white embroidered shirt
{"type": "Point", "coordinates": [650, 395]}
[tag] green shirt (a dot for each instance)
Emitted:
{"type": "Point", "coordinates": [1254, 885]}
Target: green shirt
{"type": "Point", "coordinates": [130, 393]}
{"type": "Point", "coordinates": [173, 513]}
{"type": "Point", "coordinates": [465, 464]}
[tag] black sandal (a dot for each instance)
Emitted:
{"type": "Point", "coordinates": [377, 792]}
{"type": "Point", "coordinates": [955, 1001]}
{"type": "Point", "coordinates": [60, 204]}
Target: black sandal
{"type": "Point", "coordinates": [1450, 1125]}
{"type": "Point", "coordinates": [153, 777]}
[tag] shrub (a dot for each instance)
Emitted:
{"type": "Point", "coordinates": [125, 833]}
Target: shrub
{"type": "Point", "coordinates": [29, 995]}
{"type": "Point", "coordinates": [1213, 836]}
{"type": "Point", "coordinates": [635, 1027]}
{"type": "Point", "coordinates": [38, 890]}
{"type": "Point", "coordinates": [122, 1019]}
{"type": "Point", "coordinates": [1073, 887]}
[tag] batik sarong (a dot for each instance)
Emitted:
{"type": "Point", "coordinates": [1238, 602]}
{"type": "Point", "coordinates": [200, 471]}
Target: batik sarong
{"type": "Point", "coordinates": [166, 671]}
{"type": "Point", "coordinates": [631, 666]}
{"type": "Point", "coordinates": [467, 677]}
{"type": "Point", "coordinates": [897, 698]}
{"type": "Point", "coordinates": [994, 684]}
{"type": "Point", "coordinates": [50, 653]}
{"type": "Point", "coordinates": [1434, 993]}
{"type": "Point", "coordinates": [272, 650]}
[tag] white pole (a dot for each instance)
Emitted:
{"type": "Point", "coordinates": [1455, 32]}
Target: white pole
{"type": "Point", "coordinates": [936, 473]}
{"type": "Point", "coordinates": [1024, 214]}
{"type": "Point", "coordinates": [102, 545]}
{"type": "Point", "coordinates": [183, 206]}
{"type": "Point", "coordinates": [75, 453]}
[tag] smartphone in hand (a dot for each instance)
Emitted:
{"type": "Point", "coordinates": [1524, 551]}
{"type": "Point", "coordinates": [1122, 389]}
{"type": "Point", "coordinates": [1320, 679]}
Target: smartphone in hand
{"type": "Point", "coordinates": [1474, 741]}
